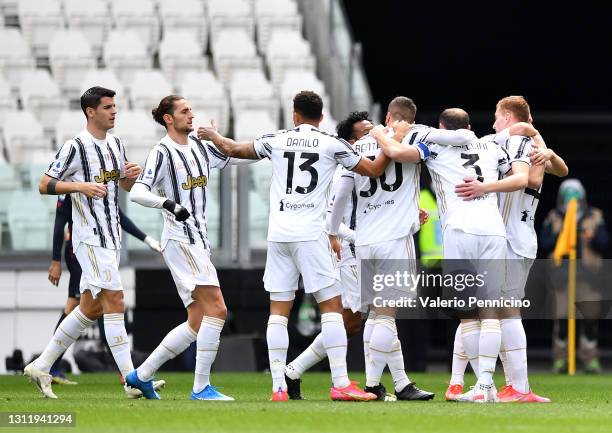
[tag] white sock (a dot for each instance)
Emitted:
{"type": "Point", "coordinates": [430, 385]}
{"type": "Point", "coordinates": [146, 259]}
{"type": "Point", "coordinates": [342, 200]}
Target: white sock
{"type": "Point", "coordinates": [383, 336]}
{"type": "Point", "coordinates": [309, 357]}
{"type": "Point", "coordinates": [174, 343]}
{"type": "Point", "coordinates": [488, 349]}
{"type": "Point", "coordinates": [503, 358]}
{"type": "Point", "coordinates": [334, 340]}
{"type": "Point", "coordinates": [396, 365]}
{"type": "Point", "coordinates": [207, 344]}
{"type": "Point", "coordinates": [514, 342]}
{"type": "Point", "coordinates": [367, 334]}
{"type": "Point", "coordinates": [278, 343]}
{"type": "Point", "coordinates": [470, 334]}
{"type": "Point", "coordinates": [460, 359]}
{"type": "Point", "coordinates": [67, 332]}
{"type": "Point", "coordinates": [117, 339]}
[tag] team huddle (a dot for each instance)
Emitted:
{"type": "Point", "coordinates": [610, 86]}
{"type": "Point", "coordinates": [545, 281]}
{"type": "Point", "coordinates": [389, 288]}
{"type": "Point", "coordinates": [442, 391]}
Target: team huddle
{"type": "Point", "coordinates": [341, 206]}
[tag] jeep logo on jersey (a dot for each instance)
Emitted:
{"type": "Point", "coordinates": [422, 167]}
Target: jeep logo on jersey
{"type": "Point", "coordinates": [106, 176]}
{"type": "Point", "coordinates": [195, 182]}
{"type": "Point", "coordinates": [294, 206]}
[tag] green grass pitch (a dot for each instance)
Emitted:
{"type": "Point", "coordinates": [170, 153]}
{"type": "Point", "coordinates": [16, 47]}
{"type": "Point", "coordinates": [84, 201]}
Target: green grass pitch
{"type": "Point", "coordinates": [580, 404]}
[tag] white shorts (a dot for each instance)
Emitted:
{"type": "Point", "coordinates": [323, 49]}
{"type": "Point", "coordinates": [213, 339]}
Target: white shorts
{"type": "Point", "coordinates": [190, 266]}
{"type": "Point", "coordinates": [517, 272]}
{"type": "Point", "coordinates": [461, 245]}
{"type": "Point", "coordinates": [100, 268]}
{"type": "Point", "coordinates": [385, 258]}
{"type": "Point", "coordinates": [351, 295]}
{"type": "Point", "coordinates": [314, 260]}
{"type": "Point", "coordinates": [482, 256]}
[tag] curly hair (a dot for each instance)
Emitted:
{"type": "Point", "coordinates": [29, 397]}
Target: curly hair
{"type": "Point", "coordinates": [344, 129]}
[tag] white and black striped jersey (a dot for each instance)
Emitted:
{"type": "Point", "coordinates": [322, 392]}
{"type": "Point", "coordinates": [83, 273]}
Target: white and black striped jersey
{"type": "Point", "coordinates": [482, 159]}
{"type": "Point", "coordinates": [87, 159]}
{"type": "Point", "coordinates": [388, 206]}
{"type": "Point", "coordinates": [349, 219]}
{"type": "Point", "coordinates": [518, 208]}
{"type": "Point", "coordinates": [181, 172]}
{"type": "Point", "coordinates": [303, 163]}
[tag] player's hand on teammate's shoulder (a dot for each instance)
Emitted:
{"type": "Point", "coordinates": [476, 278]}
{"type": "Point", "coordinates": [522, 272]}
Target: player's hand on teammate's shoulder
{"type": "Point", "coordinates": [540, 153]}
{"type": "Point", "coordinates": [378, 132]}
{"type": "Point", "coordinates": [55, 272]}
{"type": "Point", "coordinates": [93, 189]}
{"type": "Point", "coordinates": [208, 132]}
{"type": "Point", "coordinates": [469, 189]}
{"type": "Point", "coordinates": [132, 170]}
{"type": "Point", "coordinates": [401, 128]}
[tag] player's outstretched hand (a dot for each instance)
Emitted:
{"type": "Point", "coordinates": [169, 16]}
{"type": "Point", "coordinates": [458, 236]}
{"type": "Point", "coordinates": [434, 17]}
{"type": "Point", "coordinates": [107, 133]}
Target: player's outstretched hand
{"type": "Point", "coordinates": [55, 272]}
{"type": "Point", "coordinates": [180, 213]}
{"type": "Point", "coordinates": [469, 189]}
{"type": "Point", "coordinates": [423, 216]}
{"type": "Point", "coordinates": [335, 246]}
{"type": "Point", "coordinates": [208, 132]}
{"type": "Point", "coordinates": [153, 244]}
{"type": "Point", "coordinates": [93, 190]}
{"type": "Point", "coordinates": [132, 170]}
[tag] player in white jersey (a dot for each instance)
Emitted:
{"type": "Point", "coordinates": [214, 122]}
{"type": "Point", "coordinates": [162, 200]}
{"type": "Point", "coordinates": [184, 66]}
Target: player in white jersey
{"type": "Point", "coordinates": [175, 179]}
{"type": "Point", "coordinates": [472, 230]}
{"type": "Point", "coordinates": [303, 163]}
{"type": "Point", "coordinates": [518, 212]}
{"type": "Point", "coordinates": [91, 167]}
{"type": "Point", "coordinates": [355, 126]}
{"type": "Point", "coordinates": [380, 238]}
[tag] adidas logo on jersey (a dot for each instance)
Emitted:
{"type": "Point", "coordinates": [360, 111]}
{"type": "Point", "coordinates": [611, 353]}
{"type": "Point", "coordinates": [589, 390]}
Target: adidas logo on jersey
{"type": "Point", "coordinates": [195, 182]}
{"type": "Point", "coordinates": [106, 176]}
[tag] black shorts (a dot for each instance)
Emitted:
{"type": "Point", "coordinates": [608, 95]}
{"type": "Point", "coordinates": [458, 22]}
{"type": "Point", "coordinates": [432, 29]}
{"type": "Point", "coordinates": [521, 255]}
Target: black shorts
{"type": "Point", "coordinates": [75, 273]}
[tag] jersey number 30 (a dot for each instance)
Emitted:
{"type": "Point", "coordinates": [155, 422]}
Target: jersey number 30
{"type": "Point", "coordinates": [310, 159]}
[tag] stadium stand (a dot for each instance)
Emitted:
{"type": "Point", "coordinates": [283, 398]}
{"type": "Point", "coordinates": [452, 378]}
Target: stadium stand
{"type": "Point", "coordinates": [288, 51]}
{"type": "Point", "coordinates": [230, 15]}
{"type": "Point", "coordinates": [233, 50]}
{"type": "Point", "coordinates": [250, 90]}
{"type": "Point", "coordinates": [106, 78]}
{"type": "Point", "coordinates": [208, 99]}
{"type": "Point", "coordinates": [15, 55]}
{"type": "Point", "coordinates": [70, 57]}
{"type": "Point", "coordinates": [7, 100]}
{"type": "Point", "coordinates": [69, 123]}
{"type": "Point", "coordinates": [147, 89]}
{"type": "Point", "coordinates": [138, 132]}
{"type": "Point", "coordinates": [24, 140]}
{"type": "Point", "coordinates": [124, 52]}
{"type": "Point", "coordinates": [272, 15]}
{"type": "Point", "coordinates": [139, 16]}
{"type": "Point", "coordinates": [92, 18]}
{"type": "Point", "coordinates": [185, 16]}
{"type": "Point", "coordinates": [179, 53]}
{"type": "Point", "coordinates": [39, 20]}
{"type": "Point", "coordinates": [41, 94]}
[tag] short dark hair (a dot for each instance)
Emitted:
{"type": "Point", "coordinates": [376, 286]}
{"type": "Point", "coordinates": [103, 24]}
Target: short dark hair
{"type": "Point", "coordinates": [166, 106]}
{"type": "Point", "coordinates": [92, 96]}
{"type": "Point", "coordinates": [308, 104]}
{"type": "Point", "coordinates": [402, 108]}
{"type": "Point", "coordinates": [345, 130]}
{"type": "Point", "coordinates": [454, 118]}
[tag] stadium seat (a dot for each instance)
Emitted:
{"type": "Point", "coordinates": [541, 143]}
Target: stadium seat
{"type": "Point", "coordinates": [147, 89]}
{"type": "Point", "coordinates": [138, 132]}
{"type": "Point", "coordinates": [146, 219]}
{"type": "Point", "coordinates": [207, 98]}
{"type": "Point", "coordinates": [329, 123]}
{"type": "Point", "coordinates": [69, 124]}
{"type": "Point", "coordinates": [40, 94]}
{"type": "Point", "coordinates": [70, 56]}
{"type": "Point", "coordinates": [24, 139]}
{"type": "Point", "coordinates": [29, 223]}
{"type": "Point", "coordinates": [185, 16]}
{"type": "Point", "coordinates": [106, 78]}
{"type": "Point", "coordinates": [271, 15]}
{"type": "Point", "coordinates": [15, 56]}
{"type": "Point", "coordinates": [7, 100]}
{"type": "Point", "coordinates": [139, 16]}
{"type": "Point", "coordinates": [294, 82]}
{"type": "Point", "coordinates": [92, 18]}
{"type": "Point", "coordinates": [9, 182]}
{"type": "Point", "coordinates": [250, 90]}
{"type": "Point", "coordinates": [124, 52]}
{"type": "Point", "coordinates": [230, 14]}
{"type": "Point", "coordinates": [39, 20]}
{"type": "Point", "coordinates": [234, 50]}
{"type": "Point", "coordinates": [180, 53]}
{"type": "Point", "coordinates": [287, 50]}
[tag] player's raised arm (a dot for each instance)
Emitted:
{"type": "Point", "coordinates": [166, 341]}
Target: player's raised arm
{"type": "Point", "coordinates": [342, 193]}
{"type": "Point", "coordinates": [229, 147]}
{"type": "Point", "coordinates": [541, 155]}
{"type": "Point", "coordinates": [394, 149]}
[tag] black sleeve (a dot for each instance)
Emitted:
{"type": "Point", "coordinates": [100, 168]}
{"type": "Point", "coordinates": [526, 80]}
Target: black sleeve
{"type": "Point", "coordinates": [601, 239]}
{"type": "Point", "coordinates": [61, 219]}
{"type": "Point", "coordinates": [129, 226]}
